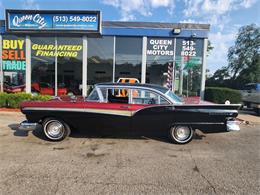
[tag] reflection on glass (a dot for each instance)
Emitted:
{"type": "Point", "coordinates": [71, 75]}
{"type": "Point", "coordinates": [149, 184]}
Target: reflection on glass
{"type": "Point", "coordinates": [69, 58]}
{"type": "Point", "coordinates": [13, 63]}
{"type": "Point", "coordinates": [174, 97]}
{"type": "Point", "coordinates": [128, 58]}
{"type": "Point", "coordinates": [188, 64]}
{"type": "Point", "coordinates": [157, 68]}
{"type": "Point", "coordinates": [159, 60]}
{"type": "Point", "coordinates": [100, 60]}
{"type": "Point", "coordinates": [43, 65]}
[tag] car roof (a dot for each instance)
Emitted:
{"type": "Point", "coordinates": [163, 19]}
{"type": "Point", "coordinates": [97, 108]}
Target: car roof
{"type": "Point", "coordinates": [152, 86]}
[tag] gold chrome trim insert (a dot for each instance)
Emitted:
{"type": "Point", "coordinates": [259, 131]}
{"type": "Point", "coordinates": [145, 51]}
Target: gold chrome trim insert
{"type": "Point", "coordinates": [87, 110]}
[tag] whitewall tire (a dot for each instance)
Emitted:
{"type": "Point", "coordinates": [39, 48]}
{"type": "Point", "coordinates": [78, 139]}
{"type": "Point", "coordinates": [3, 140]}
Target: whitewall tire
{"type": "Point", "coordinates": [181, 134]}
{"type": "Point", "coordinates": [55, 130]}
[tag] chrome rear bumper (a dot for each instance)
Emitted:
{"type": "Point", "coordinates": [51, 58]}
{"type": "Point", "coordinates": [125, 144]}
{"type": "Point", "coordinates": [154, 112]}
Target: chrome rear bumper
{"type": "Point", "coordinates": [27, 126]}
{"type": "Point", "coordinates": [233, 126]}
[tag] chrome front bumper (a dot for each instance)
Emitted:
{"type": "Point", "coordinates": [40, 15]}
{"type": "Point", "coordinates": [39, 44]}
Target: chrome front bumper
{"type": "Point", "coordinates": [233, 126]}
{"type": "Point", "coordinates": [27, 126]}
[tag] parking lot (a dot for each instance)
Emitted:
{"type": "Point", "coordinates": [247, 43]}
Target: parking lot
{"type": "Point", "coordinates": [220, 163]}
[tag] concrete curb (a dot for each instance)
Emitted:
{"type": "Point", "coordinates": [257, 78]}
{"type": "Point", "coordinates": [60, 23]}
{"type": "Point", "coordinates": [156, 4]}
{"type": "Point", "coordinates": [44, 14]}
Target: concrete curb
{"type": "Point", "coordinates": [10, 110]}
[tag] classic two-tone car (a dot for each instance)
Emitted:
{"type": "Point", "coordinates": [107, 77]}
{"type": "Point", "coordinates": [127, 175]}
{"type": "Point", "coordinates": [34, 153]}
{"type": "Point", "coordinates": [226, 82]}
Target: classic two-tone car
{"type": "Point", "coordinates": [47, 89]}
{"type": "Point", "coordinates": [11, 88]}
{"type": "Point", "coordinates": [145, 107]}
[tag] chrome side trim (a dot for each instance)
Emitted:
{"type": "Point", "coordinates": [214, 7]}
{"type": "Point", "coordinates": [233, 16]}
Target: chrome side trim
{"type": "Point", "coordinates": [86, 110]}
{"type": "Point", "coordinates": [210, 111]}
{"type": "Point", "coordinates": [200, 123]}
{"type": "Point", "coordinates": [217, 105]}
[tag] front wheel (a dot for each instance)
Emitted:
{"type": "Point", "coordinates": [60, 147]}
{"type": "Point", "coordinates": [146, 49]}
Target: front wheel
{"type": "Point", "coordinates": [55, 130]}
{"type": "Point", "coordinates": [181, 134]}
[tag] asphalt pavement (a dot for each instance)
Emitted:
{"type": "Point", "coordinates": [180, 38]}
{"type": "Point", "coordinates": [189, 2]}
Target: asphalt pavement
{"type": "Point", "coordinates": [217, 163]}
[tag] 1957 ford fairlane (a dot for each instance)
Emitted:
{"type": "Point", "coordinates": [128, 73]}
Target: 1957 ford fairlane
{"type": "Point", "coordinates": [128, 107]}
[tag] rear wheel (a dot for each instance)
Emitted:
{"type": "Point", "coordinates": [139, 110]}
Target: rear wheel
{"type": "Point", "coordinates": [181, 134]}
{"type": "Point", "coordinates": [55, 130]}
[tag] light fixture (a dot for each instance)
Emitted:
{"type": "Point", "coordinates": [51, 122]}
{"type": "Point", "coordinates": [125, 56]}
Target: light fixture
{"type": "Point", "coordinates": [176, 31]}
{"type": "Point", "coordinates": [193, 35]}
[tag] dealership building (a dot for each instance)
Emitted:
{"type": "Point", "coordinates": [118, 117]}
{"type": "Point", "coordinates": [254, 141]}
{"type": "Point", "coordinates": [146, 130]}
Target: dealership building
{"type": "Point", "coordinates": [58, 49]}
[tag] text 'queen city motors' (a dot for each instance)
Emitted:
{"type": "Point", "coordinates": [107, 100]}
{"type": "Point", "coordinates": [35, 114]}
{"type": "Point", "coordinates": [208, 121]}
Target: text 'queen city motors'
{"type": "Point", "coordinates": [37, 18]}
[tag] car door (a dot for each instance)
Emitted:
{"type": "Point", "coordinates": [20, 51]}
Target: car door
{"type": "Point", "coordinates": [154, 115]}
{"type": "Point", "coordinates": [114, 111]}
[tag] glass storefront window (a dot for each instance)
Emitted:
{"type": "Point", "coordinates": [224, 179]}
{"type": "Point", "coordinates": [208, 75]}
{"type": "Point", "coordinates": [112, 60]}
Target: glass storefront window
{"type": "Point", "coordinates": [188, 64]}
{"type": "Point", "coordinates": [69, 59]}
{"type": "Point", "coordinates": [100, 60]}
{"type": "Point", "coordinates": [13, 63]}
{"type": "Point", "coordinates": [128, 58]}
{"type": "Point", "coordinates": [160, 52]}
{"type": "Point", "coordinates": [67, 53]}
{"type": "Point", "coordinates": [43, 65]}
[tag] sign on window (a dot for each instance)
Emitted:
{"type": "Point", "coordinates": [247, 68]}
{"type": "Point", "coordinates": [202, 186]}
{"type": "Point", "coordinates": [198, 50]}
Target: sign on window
{"type": "Point", "coordinates": [160, 47]}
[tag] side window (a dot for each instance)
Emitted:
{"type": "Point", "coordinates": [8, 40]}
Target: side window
{"type": "Point", "coordinates": [118, 96]}
{"type": "Point", "coordinates": [104, 93]}
{"type": "Point", "coordinates": [93, 96]}
{"type": "Point", "coordinates": [140, 96]}
{"type": "Point", "coordinates": [147, 97]}
{"type": "Point", "coordinates": [163, 101]}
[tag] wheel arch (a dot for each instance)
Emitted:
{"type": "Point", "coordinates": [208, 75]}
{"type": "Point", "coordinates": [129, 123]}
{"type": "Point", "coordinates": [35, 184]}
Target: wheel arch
{"type": "Point", "coordinates": [43, 118]}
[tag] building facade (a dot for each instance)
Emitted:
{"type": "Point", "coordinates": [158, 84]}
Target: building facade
{"type": "Point", "coordinates": [49, 58]}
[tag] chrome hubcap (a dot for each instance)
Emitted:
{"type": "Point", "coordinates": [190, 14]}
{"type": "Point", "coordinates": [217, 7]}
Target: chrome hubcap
{"type": "Point", "coordinates": [54, 129]}
{"type": "Point", "coordinates": [182, 133]}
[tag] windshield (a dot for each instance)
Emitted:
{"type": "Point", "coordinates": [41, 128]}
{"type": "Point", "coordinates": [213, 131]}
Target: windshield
{"type": "Point", "coordinates": [173, 97]}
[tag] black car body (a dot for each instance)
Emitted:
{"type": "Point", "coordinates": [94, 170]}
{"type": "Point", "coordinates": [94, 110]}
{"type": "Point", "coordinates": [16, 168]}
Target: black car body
{"type": "Point", "coordinates": [143, 106]}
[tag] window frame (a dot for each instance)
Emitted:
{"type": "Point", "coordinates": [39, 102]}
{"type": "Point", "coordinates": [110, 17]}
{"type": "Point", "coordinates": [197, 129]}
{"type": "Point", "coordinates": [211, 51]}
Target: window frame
{"type": "Point", "coordinates": [105, 99]}
{"type": "Point", "coordinates": [130, 96]}
{"type": "Point", "coordinates": [159, 96]}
